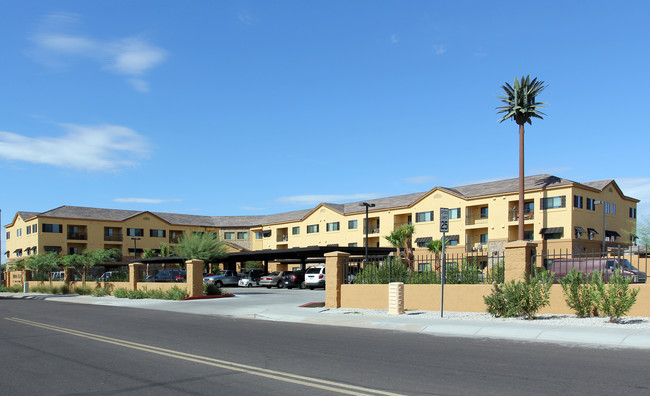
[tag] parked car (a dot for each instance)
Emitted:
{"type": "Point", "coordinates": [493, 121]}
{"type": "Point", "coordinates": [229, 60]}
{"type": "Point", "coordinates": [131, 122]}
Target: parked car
{"type": "Point", "coordinates": [315, 277]}
{"type": "Point", "coordinates": [223, 278]}
{"type": "Point", "coordinates": [293, 279]}
{"type": "Point", "coordinates": [587, 265]}
{"type": "Point", "coordinates": [168, 275]}
{"type": "Point", "coordinates": [250, 278]}
{"type": "Point", "coordinates": [273, 279]}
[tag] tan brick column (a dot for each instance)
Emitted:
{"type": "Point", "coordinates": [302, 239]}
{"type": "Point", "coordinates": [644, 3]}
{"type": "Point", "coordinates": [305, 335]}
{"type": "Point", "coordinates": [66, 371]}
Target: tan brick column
{"type": "Point", "coordinates": [194, 270]}
{"type": "Point", "coordinates": [518, 255]}
{"type": "Point", "coordinates": [134, 271]}
{"type": "Point", "coordinates": [334, 278]}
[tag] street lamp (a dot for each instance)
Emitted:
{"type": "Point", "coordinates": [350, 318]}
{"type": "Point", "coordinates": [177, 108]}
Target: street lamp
{"type": "Point", "coordinates": [604, 221]}
{"type": "Point", "coordinates": [367, 205]}
{"type": "Point", "coordinates": [135, 250]}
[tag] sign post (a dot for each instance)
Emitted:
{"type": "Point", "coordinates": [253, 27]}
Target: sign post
{"type": "Point", "coordinates": [444, 228]}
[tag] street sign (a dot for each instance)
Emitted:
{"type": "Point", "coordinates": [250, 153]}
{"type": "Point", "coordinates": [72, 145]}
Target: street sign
{"type": "Point", "coordinates": [444, 220]}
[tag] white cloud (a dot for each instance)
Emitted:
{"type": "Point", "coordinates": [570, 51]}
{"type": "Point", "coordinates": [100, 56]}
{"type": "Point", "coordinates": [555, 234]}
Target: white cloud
{"type": "Point", "coordinates": [246, 18]}
{"type": "Point", "coordinates": [145, 200]}
{"type": "Point", "coordinates": [317, 199]}
{"type": "Point", "coordinates": [439, 49]}
{"type": "Point", "coordinates": [420, 179]}
{"type": "Point", "coordinates": [101, 147]}
{"type": "Point", "coordinates": [393, 39]}
{"type": "Point", "coordinates": [130, 56]}
{"type": "Point", "coordinates": [252, 208]}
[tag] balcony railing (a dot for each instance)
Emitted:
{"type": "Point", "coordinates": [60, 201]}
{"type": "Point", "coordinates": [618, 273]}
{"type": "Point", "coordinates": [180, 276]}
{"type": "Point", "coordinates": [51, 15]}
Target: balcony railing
{"type": "Point", "coordinates": [515, 216]}
{"type": "Point", "coordinates": [79, 236]}
{"type": "Point", "coordinates": [113, 238]}
{"type": "Point", "coordinates": [371, 231]}
{"type": "Point", "coordinates": [476, 248]}
{"type": "Point", "coordinates": [476, 219]}
{"type": "Point", "coordinates": [283, 238]}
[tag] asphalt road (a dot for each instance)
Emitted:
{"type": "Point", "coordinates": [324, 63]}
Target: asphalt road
{"type": "Point", "coordinates": [57, 348]}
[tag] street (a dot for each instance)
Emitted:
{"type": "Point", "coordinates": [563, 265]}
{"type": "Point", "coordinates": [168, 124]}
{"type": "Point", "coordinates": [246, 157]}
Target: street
{"type": "Point", "coordinates": [60, 348]}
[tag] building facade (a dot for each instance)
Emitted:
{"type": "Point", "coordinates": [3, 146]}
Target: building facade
{"type": "Point", "coordinates": [559, 214]}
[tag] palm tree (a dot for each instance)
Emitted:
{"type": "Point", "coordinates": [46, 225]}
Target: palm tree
{"type": "Point", "coordinates": [435, 247]}
{"type": "Point", "coordinates": [520, 106]}
{"type": "Point", "coordinates": [403, 237]}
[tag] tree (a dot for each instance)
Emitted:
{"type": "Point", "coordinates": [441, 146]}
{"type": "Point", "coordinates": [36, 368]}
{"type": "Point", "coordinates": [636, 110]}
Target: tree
{"type": "Point", "coordinates": [435, 247]}
{"type": "Point", "coordinates": [520, 106]}
{"type": "Point", "coordinates": [403, 238]}
{"type": "Point", "coordinates": [201, 246]}
{"type": "Point", "coordinates": [149, 253]}
{"type": "Point", "coordinates": [88, 259]}
{"type": "Point", "coordinates": [43, 262]}
{"type": "Point", "coordinates": [643, 231]}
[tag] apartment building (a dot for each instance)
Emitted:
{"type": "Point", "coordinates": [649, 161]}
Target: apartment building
{"type": "Point", "coordinates": [71, 229]}
{"type": "Point", "coordinates": [558, 214]}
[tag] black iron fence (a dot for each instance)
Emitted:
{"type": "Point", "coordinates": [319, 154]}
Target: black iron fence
{"type": "Point", "coordinates": [459, 269]}
{"type": "Point", "coordinates": [631, 263]}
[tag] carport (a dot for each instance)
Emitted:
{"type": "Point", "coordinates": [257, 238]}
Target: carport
{"type": "Point", "coordinates": [301, 255]}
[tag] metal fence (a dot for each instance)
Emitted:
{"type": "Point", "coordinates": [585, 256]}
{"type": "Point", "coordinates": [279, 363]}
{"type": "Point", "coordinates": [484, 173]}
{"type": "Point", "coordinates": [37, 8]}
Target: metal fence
{"type": "Point", "coordinates": [631, 263]}
{"type": "Point", "coordinates": [459, 269]}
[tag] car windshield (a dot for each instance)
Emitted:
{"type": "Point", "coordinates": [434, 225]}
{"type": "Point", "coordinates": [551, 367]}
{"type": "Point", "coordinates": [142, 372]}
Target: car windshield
{"type": "Point", "coordinates": [626, 264]}
{"type": "Point", "coordinates": [313, 270]}
{"type": "Point", "coordinates": [276, 273]}
{"type": "Point", "coordinates": [222, 273]}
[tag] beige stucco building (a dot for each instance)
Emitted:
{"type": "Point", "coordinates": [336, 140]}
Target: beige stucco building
{"type": "Point", "coordinates": [559, 214]}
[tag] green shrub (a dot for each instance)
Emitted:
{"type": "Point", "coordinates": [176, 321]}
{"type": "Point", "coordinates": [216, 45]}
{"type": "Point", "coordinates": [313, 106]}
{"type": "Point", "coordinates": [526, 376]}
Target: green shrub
{"type": "Point", "coordinates": [155, 293]}
{"type": "Point", "coordinates": [121, 292]}
{"type": "Point", "coordinates": [520, 298]}
{"type": "Point", "coordinates": [135, 294]}
{"type": "Point", "coordinates": [12, 289]}
{"type": "Point", "coordinates": [102, 291]}
{"type": "Point", "coordinates": [82, 290]}
{"type": "Point", "coordinates": [175, 293]}
{"type": "Point", "coordinates": [210, 289]}
{"type": "Point", "coordinates": [582, 295]}
{"type": "Point", "coordinates": [64, 289]}
{"type": "Point", "coordinates": [618, 298]}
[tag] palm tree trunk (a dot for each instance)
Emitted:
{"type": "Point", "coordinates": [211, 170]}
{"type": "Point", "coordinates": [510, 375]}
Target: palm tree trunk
{"type": "Point", "coordinates": [520, 235]}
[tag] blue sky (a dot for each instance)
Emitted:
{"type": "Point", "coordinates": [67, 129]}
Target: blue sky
{"type": "Point", "coordinates": [259, 107]}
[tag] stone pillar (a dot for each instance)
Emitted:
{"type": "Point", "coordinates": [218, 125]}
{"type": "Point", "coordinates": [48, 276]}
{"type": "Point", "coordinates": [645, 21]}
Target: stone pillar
{"type": "Point", "coordinates": [134, 272]}
{"type": "Point", "coordinates": [396, 298]}
{"type": "Point", "coordinates": [194, 271]}
{"type": "Point", "coordinates": [334, 278]}
{"type": "Point", "coordinates": [518, 256]}
{"type": "Point", "coordinates": [68, 276]}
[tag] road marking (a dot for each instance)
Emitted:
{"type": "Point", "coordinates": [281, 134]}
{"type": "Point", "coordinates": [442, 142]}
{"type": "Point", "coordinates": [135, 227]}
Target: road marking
{"type": "Point", "coordinates": [243, 368]}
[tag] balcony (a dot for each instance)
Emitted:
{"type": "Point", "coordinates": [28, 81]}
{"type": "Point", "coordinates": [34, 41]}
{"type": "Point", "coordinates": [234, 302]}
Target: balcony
{"type": "Point", "coordinates": [474, 219]}
{"type": "Point", "coordinates": [513, 211]}
{"type": "Point", "coordinates": [78, 236]}
{"type": "Point", "coordinates": [476, 248]}
{"type": "Point", "coordinates": [113, 238]}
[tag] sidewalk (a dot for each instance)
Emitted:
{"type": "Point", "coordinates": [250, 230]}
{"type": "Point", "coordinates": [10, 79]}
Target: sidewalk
{"type": "Point", "coordinates": [561, 329]}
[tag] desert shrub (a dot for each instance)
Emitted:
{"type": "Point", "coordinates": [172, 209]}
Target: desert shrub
{"type": "Point", "coordinates": [136, 294]}
{"type": "Point", "coordinates": [210, 289]}
{"type": "Point", "coordinates": [618, 298]}
{"type": "Point", "coordinates": [64, 289]}
{"type": "Point", "coordinates": [82, 290]}
{"type": "Point", "coordinates": [175, 293]}
{"type": "Point", "coordinates": [496, 273]}
{"type": "Point", "coordinates": [156, 294]}
{"type": "Point", "coordinates": [582, 294]}
{"type": "Point", "coordinates": [45, 289]}
{"type": "Point", "coordinates": [102, 291]}
{"type": "Point", "coordinates": [520, 298]}
{"type": "Point", "coordinates": [120, 292]}
{"type": "Point", "coordinates": [391, 270]}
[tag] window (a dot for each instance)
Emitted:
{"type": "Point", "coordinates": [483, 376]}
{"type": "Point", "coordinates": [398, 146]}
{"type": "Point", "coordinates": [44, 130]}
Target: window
{"type": "Point", "coordinates": [353, 244]}
{"type": "Point", "coordinates": [632, 214]}
{"type": "Point", "coordinates": [19, 232]}
{"type": "Point", "coordinates": [454, 213]}
{"type": "Point", "coordinates": [19, 252]}
{"type": "Point", "coordinates": [555, 235]}
{"type": "Point", "coordinates": [137, 232]}
{"type": "Point", "coordinates": [529, 207]}
{"type": "Point", "coordinates": [295, 230]}
{"type": "Point", "coordinates": [28, 229]}
{"type": "Point", "coordinates": [34, 228]}
{"type": "Point", "coordinates": [157, 233]}
{"type": "Point", "coordinates": [258, 235]}
{"type": "Point", "coordinates": [73, 250]}
{"type": "Point", "coordinates": [484, 212]}
{"type": "Point", "coordinates": [353, 224]}
{"type": "Point", "coordinates": [8, 234]}
{"type": "Point", "coordinates": [242, 235]}
{"type": "Point", "coordinates": [484, 239]}
{"type": "Point", "coordinates": [577, 201]}
{"type": "Point", "coordinates": [57, 228]}
{"type": "Point", "coordinates": [312, 229]}
{"type": "Point", "coordinates": [610, 208]}
{"type": "Point", "coordinates": [228, 235]}
{"type": "Point", "coordinates": [528, 235]}
{"type": "Point", "coordinates": [333, 226]}
{"type": "Point", "coordinates": [422, 267]}
{"type": "Point", "coordinates": [423, 216]}
{"type": "Point", "coordinates": [591, 204]}
{"type": "Point", "coordinates": [553, 202]}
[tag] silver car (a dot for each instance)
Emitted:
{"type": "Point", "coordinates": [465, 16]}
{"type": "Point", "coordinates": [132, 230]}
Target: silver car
{"type": "Point", "coordinates": [275, 278]}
